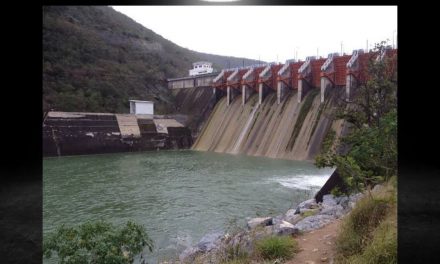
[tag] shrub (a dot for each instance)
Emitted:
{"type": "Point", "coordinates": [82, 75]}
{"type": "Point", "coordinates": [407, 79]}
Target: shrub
{"type": "Point", "coordinates": [369, 233]}
{"type": "Point", "coordinates": [97, 242]}
{"type": "Point", "coordinates": [277, 247]}
{"type": "Point", "coordinates": [361, 222]}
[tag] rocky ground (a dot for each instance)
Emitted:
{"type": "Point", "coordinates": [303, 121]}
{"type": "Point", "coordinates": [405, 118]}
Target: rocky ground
{"type": "Point", "coordinates": [314, 225]}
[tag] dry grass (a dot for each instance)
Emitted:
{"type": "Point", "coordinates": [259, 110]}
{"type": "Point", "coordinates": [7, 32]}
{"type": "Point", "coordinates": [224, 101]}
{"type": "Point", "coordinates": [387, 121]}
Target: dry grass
{"type": "Point", "coordinates": [369, 233]}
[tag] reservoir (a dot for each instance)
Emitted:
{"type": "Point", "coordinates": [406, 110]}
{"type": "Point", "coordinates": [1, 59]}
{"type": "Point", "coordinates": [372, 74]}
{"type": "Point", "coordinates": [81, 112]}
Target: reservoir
{"type": "Point", "coordinates": [179, 196]}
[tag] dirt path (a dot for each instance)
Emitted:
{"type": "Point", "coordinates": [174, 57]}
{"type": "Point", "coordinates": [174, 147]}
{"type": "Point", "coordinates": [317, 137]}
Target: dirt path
{"type": "Point", "coordinates": [317, 246]}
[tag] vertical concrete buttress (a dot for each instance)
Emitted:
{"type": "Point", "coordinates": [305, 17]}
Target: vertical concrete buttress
{"type": "Point", "coordinates": [325, 84]}
{"type": "Point", "coordinates": [231, 94]}
{"type": "Point", "coordinates": [243, 94]}
{"type": "Point", "coordinates": [303, 88]}
{"type": "Point", "coordinates": [281, 91]}
{"type": "Point", "coordinates": [350, 85]}
{"type": "Point", "coordinates": [260, 93]}
{"type": "Point", "coordinates": [246, 93]}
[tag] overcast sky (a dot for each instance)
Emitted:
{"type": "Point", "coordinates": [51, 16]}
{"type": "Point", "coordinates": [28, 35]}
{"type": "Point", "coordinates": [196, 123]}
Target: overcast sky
{"type": "Point", "coordinates": [269, 32]}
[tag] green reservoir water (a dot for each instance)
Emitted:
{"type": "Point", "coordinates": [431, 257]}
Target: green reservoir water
{"type": "Point", "coordinates": [179, 196]}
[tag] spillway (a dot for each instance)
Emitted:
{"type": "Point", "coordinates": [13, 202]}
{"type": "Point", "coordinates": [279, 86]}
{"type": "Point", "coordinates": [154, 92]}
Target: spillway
{"type": "Point", "coordinates": [289, 130]}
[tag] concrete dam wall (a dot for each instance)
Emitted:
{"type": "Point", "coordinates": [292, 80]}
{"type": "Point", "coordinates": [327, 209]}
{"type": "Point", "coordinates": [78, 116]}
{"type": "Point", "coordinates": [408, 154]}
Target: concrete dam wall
{"type": "Point", "coordinates": [197, 104]}
{"type": "Point", "coordinates": [289, 130]}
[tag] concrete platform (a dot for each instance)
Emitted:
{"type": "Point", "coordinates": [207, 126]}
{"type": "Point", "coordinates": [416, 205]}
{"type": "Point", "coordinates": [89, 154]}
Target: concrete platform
{"type": "Point", "coordinates": [163, 124]}
{"type": "Point", "coordinates": [128, 126]}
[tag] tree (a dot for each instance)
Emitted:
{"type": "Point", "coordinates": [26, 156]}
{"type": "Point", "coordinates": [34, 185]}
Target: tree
{"type": "Point", "coordinates": [372, 141]}
{"type": "Point", "coordinates": [97, 242]}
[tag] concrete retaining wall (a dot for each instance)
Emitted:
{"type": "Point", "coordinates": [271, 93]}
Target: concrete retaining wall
{"type": "Point", "coordinates": [89, 133]}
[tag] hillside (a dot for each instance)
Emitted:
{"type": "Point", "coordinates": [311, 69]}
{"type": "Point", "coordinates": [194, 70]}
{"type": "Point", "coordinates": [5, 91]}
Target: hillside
{"type": "Point", "coordinates": [95, 59]}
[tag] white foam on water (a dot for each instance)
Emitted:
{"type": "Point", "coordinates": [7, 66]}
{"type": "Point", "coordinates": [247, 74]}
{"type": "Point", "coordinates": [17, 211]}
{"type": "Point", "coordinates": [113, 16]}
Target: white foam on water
{"type": "Point", "coordinates": [303, 182]}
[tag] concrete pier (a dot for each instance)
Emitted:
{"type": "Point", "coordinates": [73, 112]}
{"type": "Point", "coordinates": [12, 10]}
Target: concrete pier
{"type": "Point", "coordinates": [354, 68]}
{"type": "Point", "coordinates": [250, 82]}
{"type": "Point", "coordinates": [327, 74]}
{"type": "Point", "coordinates": [268, 79]}
{"type": "Point", "coordinates": [281, 91]}
{"type": "Point", "coordinates": [262, 92]}
{"type": "Point", "coordinates": [304, 78]}
{"type": "Point", "coordinates": [325, 85]}
{"type": "Point", "coordinates": [231, 94]}
{"type": "Point", "coordinates": [303, 89]}
{"type": "Point", "coordinates": [246, 92]}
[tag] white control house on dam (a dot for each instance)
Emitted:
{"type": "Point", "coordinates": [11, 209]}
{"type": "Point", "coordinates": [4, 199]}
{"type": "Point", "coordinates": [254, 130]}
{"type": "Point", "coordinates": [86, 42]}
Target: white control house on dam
{"type": "Point", "coordinates": [201, 67]}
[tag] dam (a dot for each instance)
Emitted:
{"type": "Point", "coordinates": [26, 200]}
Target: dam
{"type": "Point", "coordinates": [274, 118]}
{"type": "Point", "coordinates": [282, 111]}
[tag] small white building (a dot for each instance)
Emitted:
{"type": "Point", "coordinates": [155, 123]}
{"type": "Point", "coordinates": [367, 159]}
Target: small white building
{"type": "Point", "coordinates": [201, 67]}
{"type": "Point", "coordinates": [141, 107]}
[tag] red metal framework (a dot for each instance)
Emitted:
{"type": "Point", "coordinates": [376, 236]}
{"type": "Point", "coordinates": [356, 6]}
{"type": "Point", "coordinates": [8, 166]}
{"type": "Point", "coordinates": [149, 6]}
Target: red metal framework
{"type": "Point", "coordinates": [338, 75]}
{"type": "Point", "coordinates": [313, 77]}
{"type": "Point", "coordinates": [253, 83]}
{"type": "Point", "coordinates": [292, 80]}
{"type": "Point", "coordinates": [236, 84]}
{"type": "Point", "coordinates": [360, 71]}
{"type": "Point", "coordinates": [271, 81]}
{"type": "Point", "coordinates": [222, 83]}
{"type": "Point", "coordinates": [316, 71]}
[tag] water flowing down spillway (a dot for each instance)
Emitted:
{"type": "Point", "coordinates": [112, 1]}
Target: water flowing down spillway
{"type": "Point", "coordinates": [289, 130]}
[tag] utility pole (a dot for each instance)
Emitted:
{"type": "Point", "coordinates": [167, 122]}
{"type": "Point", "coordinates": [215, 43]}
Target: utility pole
{"type": "Point", "coordinates": [367, 45]}
{"type": "Point", "coordinates": [317, 53]}
{"type": "Point", "coordinates": [341, 50]}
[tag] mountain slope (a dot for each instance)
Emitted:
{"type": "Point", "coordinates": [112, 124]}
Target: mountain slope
{"type": "Point", "coordinates": [95, 59]}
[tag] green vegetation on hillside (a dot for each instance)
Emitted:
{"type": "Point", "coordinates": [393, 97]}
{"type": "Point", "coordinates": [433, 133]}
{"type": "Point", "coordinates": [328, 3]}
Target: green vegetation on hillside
{"type": "Point", "coordinates": [96, 59]}
{"type": "Point", "coordinates": [372, 140]}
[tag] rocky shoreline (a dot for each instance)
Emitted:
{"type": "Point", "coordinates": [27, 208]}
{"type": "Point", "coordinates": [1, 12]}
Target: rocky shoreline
{"type": "Point", "coordinates": [306, 216]}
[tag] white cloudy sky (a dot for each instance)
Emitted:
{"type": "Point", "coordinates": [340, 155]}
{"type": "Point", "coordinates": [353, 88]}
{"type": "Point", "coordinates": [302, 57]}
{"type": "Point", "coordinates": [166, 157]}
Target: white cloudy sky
{"type": "Point", "coordinates": [269, 32]}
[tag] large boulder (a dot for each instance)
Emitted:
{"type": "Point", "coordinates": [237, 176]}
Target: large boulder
{"type": "Point", "coordinates": [335, 211]}
{"type": "Point", "coordinates": [277, 219]}
{"type": "Point", "coordinates": [262, 232]}
{"type": "Point", "coordinates": [292, 217]}
{"type": "Point", "coordinates": [259, 221]}
{"type": "Point", "coordinates": [329, 200]}
{"type": "Point", "coordinates": [285, 228]}
{"type": "Point", "coordinates": [306, 205]}
{"type": "Point", "coordinates": [313, 222]}
{"type": "Point", "coordinates": [209, 241]}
